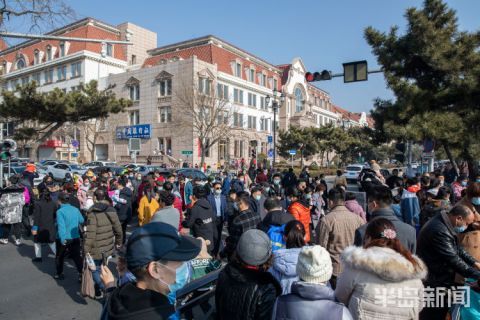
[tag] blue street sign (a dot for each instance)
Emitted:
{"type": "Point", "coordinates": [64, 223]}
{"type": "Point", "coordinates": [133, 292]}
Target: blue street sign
{"type": "Point", "coordinates": [270, 139]}
{"type": "Point", "coordinates": [75, 143]}
{"type": "Point", "coordinates": [75, 155]}
{"type": "Point", "coordinates": [270, 153]}
{"type": "Point", "coordinates": [292, 152]}
{"type": "Point", "coordinates": [142, 131]}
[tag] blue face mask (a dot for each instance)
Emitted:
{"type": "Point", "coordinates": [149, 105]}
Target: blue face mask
{"type": "Point", "coordinates": [181, 279]}
{"type": "Point", "coordinates": [460, 229]}
{"type": "Point", "coordinates": [235, 206]}
{"type": "Point", "coordinates": [476, 201]}
{"type": "Point", "coordinates": [464, 183]}
{"type": "Point", "coordinates": [308, 196]}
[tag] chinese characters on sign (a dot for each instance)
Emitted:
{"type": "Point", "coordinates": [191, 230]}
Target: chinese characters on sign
{"type": "Point", "coordinates": [142, 131]}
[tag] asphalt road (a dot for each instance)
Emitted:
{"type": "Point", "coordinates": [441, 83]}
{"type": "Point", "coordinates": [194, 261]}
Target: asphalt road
{"type": "Point", "coordinates": [28, 290]}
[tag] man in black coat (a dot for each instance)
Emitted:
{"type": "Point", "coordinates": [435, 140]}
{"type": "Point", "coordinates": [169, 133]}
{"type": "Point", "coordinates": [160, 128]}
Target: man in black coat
{"type": "Point", "coordinates": [439, 248]}
{"type": "Point", "coordinates": [201, 218]}
{"type": "Point", "coordinates": [124, 210]}
{"type": "Point", "coordinates": [379, 202]}
{"type": "Point", "coordinates": [276, 215]}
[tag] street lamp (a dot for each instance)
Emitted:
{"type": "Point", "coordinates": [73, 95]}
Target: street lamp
{"type": "Point", "coordinates": [301, 154]}
{"type": "Point", "coordinates": [275, 106]}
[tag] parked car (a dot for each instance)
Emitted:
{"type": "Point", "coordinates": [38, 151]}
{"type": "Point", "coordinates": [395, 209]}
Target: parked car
{"type": "Point", "coordinates": [194, 173]}
{"type": "Point", "coordinates": [59, 170]}
{"type": "Point", "coordinates": [95, 164]}
{"type": "Point", "coordinates": [352, 172]}
{"type": "Point", "coordinates": [133, 166]}
{"type": "Point", "coordinates": [49, 163]}
{"type": "Point", "coordinates": [115, 169]}
{"type": "Point", "coordinates": [145, 169]}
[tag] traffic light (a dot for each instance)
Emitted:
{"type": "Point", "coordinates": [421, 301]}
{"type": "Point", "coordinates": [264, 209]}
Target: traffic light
{"type": "Point", "coordinates": [318, 76]}
{"type": "Point", "coordinates": [6, 146]}
{"type": "Point", "coordinates": [254, 152]}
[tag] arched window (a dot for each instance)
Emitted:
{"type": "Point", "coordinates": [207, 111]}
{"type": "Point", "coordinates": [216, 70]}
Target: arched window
{"type": "Point", "coordinates": [36, 56]}
{"type": "Point", "coordinates": [21, 63]}
{"type": "Point", "coordinates": [298, 100]}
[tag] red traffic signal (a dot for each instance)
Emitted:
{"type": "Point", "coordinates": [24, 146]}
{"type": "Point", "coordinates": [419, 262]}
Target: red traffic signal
{"type": "Point", "coordinates": [318, 76]}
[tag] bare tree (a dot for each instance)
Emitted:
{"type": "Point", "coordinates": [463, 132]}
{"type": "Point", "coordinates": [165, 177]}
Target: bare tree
{"type": "Point", "coordinates": [34, 14]}
{"type": "Point", "coordinates": [91, 131]}
{"type": "Point", "coordinates": [205, 111]}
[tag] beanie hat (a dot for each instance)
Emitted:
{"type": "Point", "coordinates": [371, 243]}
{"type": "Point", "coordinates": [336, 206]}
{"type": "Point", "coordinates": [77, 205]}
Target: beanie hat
{"type": "Point", "coordinates": [254, 247]}
{"type": "Point", "coordinates": [314, 264]}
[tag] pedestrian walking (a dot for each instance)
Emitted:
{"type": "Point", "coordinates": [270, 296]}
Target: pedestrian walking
{"type": "Point", "coordinates": [12, 200]}
{"type": "Point", "coordinates": [43, 229]}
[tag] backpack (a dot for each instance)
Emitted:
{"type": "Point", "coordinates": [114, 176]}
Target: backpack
{"type": "Point", "coordinates": [275, 233]}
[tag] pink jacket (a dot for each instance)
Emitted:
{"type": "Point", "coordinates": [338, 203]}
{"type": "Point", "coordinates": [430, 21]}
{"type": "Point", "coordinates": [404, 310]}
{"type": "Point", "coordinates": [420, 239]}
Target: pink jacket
{"type": "Point", "coordinates": [354, 207]}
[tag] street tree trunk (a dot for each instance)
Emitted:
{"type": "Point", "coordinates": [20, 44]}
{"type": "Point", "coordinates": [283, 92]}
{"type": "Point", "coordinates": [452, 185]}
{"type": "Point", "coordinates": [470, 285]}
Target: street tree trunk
{"type": "Point", "coordinates": [450, 156]}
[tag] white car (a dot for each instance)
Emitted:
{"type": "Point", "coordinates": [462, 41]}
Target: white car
{"type": "Point", "coordinates": [59, 170]}
{"type": "Point", "coordinates": [94, 164]}
{"type": "Point", "coordinates": [352, 171]}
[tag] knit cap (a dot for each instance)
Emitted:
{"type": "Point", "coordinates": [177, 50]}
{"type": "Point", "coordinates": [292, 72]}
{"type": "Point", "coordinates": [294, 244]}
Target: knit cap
{"type": "Point", "coordinates": [314, 264]}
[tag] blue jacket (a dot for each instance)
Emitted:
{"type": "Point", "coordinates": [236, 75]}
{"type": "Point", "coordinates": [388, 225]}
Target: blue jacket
{"type": "Point", "coordinates": [410, 208]}
{"type": "Point", "coordinates": [284, 267]}
{"type": "Point", "coordinates": [226, 185]}
{"type": "Point", "coordinates": [223, 205]}
{"type": "Point", "coordinates": [237, 185]}
{"type": "Point", "coordinates": [188, 191]}
{"type": "Point", "coordinates": [69, 219]}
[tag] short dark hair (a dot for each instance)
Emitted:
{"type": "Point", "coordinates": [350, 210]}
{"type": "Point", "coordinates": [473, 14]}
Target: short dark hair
{"type": "Point", "coordinates": [100, 194]}
{"type": "Point", "coordinates": [168, 186]}
{"type": "Point", "coordinates": [64, 197]}
{"type": "Point", "coordinates": [339, 173]}
{"type": "Point", "coordinates": [294, 192]}
{"type": "Point", "coordinates": [277, 175]}
{"type": "Point", "coordinates": [336, 195]}
{"type": "Point", "coordinates": [216, 183]}
{"type": "Point", "coordinates": [243, 197]}
{"type": "Point", "coordinates": [166, 197]}
{"type": "Point", "coordinates": [473, 190]}
{"type": "Point", "coordinates": [272, 203]}
{"type": "Point", "coordinates": [200, 192]}
{"type": "Point", "coordinates": [256, 189]}
{"type": "Point", "coordinates": [380, 194]}
{"type": "Point", "coordinates": [122, 181]}
{"type": "Point", "coordinates": [462, 211]}
{"type": "Point", "coordinates": [240, 174]}
{"type": "Point", "coordinates": [232, 191]}
{"type": "Point", "coordinates": [412, 181]}
{"type": "Point", "coordinates": [443, 192]}
{"type": "Point", "coordinates": [350, 196]}
{"type": "Point", "coordinates": [170, 176]}
{"type": "Point", "coordinates": [425, 180]}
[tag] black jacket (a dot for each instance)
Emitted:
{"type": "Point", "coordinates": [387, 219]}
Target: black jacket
{"type": "Point", "coordinates": [44, 219]}
{"type": "Point", "coordinates": [245, 294]}
{"type": "Point", "coordinates": [439, 248]}
{"type": "Point", "coordinates": [406, 233]}
{"type": "Point", "coordinates": [201, 220]}
{"type": "Point", "coordinates": [275, 218]}
{"type": "Point", "coordinates": [124, 211]}
{"type": "Point", "coordinates": [131, 303]}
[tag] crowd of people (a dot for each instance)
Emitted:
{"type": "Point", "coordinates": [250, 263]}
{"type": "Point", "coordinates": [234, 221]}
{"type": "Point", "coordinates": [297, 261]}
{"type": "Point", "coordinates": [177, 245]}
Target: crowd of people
{"type": "Point", "coordinates": [285, 247]}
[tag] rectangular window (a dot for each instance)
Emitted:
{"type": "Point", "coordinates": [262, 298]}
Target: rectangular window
{"type": "Point", "coordinates": [275, 82]}
{"type": "Point", "coordinates": [252, 122]}
{"type": "Point", "coordinates": [134, 59]}
{"type": "Point", "coordinates": [252, 75]}
{"type": "Point", "coordinates": [238, 148]}
{"type": "Point", "coordinates": [49, 53]}
{"type": "Point", "coordinates": [264, 79]}
{"type": "Point", "coordinates": [49, 75]}
{"type": "Point", "coordinates": [165, 88]}
{"type": "Point", "coordinates": [135, 92]}
{"type": "Point", "coordinates": [109, 49]}
{"type": "Point", "coordinates": [222, 91]}
{"type": "Point", "coordinates": [134, 117]}
{"type": "Point", "coordinates": [252, 99]}
{"type": "Point", "coordinates": [76, 69]}
{"type": "Point", "coordinates": [24, 80]}
{"type": "Point", "coordinates": [238, 120]}
{"type": "Point", "coordinates": [36, 57]}
{"type": "Point", "coordinates": [165, 114]}
{"type": "Point", "coordinates": [262, 103]}
{"type": "Point", "coordinates": [61, 73]}
{"type": "Point", "coordinates": [204, 86]}
{"type": "Point", "coordinates": [263, 123]}
{"type": "Point", "coordinates": [61, 52]}
{"type": "Point", "coordinates": [238, 96]}
{"type": "Point", "coordinates": [36, 78]}
{"type": "Point", "coordinates": [238, 70]}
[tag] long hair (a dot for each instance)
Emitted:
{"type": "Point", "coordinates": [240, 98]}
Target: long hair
{"type": "Point", "coordinates": [375, 232]}
{"type": "Point", "coordinates": [294, 234]}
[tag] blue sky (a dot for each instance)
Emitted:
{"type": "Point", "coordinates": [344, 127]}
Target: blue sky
{"type": "Point", "coordinates": [324, 33]}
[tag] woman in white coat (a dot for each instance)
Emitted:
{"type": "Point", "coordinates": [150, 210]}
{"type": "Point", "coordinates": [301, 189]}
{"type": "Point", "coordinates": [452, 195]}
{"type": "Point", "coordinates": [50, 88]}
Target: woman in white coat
{"type": "Point", "coordinates": [382, 280]}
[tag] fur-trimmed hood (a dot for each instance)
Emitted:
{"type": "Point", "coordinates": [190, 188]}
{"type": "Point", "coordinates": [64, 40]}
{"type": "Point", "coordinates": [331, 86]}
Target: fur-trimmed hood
{"type": "Point", "coordinates": [386, 263]}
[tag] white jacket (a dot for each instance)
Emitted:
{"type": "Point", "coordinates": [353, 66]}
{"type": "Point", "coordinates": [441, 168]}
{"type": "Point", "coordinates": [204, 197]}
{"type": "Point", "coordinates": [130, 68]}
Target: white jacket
{"type": "Point", "coordinates": [380, 283]}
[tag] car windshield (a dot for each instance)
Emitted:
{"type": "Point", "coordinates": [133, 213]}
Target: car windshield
{"type": "Point", "coordinates": [76, 167]}
{"type": "Point", "coordinates": [18, 169]}
{"type": "Point", "coordinates": [354, 168]}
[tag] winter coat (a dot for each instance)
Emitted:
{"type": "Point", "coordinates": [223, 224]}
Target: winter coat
{"type": "Point", "coordinates": [12, 201]}
{"type": "Point", "coordinates": [131, 303]}
{"type": "Point", "coordinates": [103, 230]}
{"type": "Point", "coordinates": [439, 247]}
{"type": "Point", "coordinates": [201, 221]}
{"type": "Point", "coordinates": [275, 218]}
{"type": "Point", "coordinates": [244, 221]}
{"type": "Point", "coordinates": [226, 185]}
{"type": "Point", "coordinates": [69, 220]}
{"type": "Point", "coordinates": [471, 238]}
{"type": "Point", "coordinates": [44, 221]}
{"type": "Point", "coordinates": [237, 185]}
{"type": "Point", "coordinates": [124, 211]}
{"type": "Point", "coordinates": [336, 231]}
{"type": "Point", "coordinates": [82, 195]}
{"type": "Point", "coordinates": [310, 301]}
{"type": "Point", "coordinates": [340, 181]}
{"type": "Point", "coordinates": [457, 189]}
{"type": "Point", "coordinates": [379, 283]}
{"type": "Point", "coordinates": [245, 294]}
{"type": "Point", "coordinates": [354, 207]}
{"type": "Point", "coordinates": [284, 267]}
{"type": "Point", "coordinates": [146, 210]}
{"type": "Point", "coordinates": [261, 178]}
{"type": "Point", "coordinates": [405, 233]}
{"type": "Point", "coordinates": [431, 209]}
{"type": "Point", "coordinates": [188, 192]}
{"type": "Point", "coordinates": [410, 207]}
{"type": "Point", "coordinates": [301, 212]}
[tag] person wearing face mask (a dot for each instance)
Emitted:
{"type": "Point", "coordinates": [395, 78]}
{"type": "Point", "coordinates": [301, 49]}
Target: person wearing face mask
{"type": "Point", "coordinates": [471, 238]}
{"type": "Point", "coordinates": [277, 187]}
{"type": "Point", "coordinates": [82, 192]}
{"type": "Point", "coordinates": [158, 257]}
{"type": "Point", "coordinates": [458, 187]}
{"type": "Point", "coordinates": [256, 201]}
{"type": "Point", "coordinates": [218, 202]}
{"type": "Point", "coordinates": [440, 249]}
{"type": "Point", "coordinates": [379, 205]}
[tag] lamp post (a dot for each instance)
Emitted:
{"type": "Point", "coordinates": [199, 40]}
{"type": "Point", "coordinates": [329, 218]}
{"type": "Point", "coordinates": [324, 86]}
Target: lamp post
{"type": "Point", "coordinates": [301, 154]}
{"type": "Point", "coordinates": [276, 98]}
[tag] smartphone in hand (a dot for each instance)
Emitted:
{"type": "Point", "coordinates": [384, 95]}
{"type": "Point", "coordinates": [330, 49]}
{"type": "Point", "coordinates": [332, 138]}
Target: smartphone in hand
{"type": "Point", "coordinates": [104, 259]}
